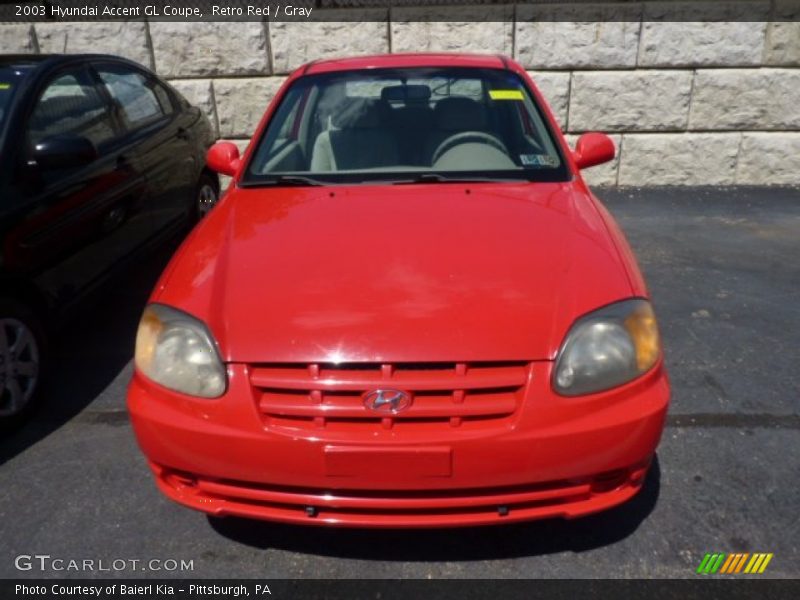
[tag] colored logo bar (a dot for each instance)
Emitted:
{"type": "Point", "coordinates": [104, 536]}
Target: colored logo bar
{"type": "Point", "coordinates": [731, 564]}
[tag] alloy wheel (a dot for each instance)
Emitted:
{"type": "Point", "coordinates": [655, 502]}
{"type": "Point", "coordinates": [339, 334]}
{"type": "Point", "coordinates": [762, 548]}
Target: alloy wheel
{"type": "Point", "coordinates": [19, 366]}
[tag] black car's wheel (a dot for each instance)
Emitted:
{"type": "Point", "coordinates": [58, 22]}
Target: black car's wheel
{"type": "Point", "coordinates": [206, 195]}
{"type": "Point", "coordinates": [22, 354]}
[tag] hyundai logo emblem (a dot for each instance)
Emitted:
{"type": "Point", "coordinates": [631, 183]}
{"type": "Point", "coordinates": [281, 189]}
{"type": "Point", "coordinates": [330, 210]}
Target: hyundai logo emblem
{"type": "Point", "coordinates": [387, 401]}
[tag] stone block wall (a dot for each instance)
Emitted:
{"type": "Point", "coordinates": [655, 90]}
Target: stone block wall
{"type": "Point", "coordinates": [687, 103]}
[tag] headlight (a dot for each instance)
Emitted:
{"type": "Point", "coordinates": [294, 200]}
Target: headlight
{"type": "Point", "coordinates": [177, 351]}
{"type": "Point", "coordinates": [607, 348]}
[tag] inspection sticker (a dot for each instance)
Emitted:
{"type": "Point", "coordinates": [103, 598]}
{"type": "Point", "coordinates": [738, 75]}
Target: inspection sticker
{"type": "Point", "coordinates": [505, 94]}
{"type": "Point", "coordinates": [538, 160]}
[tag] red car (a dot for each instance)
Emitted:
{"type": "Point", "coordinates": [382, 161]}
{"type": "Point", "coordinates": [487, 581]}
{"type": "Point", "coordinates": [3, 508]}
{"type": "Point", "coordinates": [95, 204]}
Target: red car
{"type": "Point", "coordinates": [408, 310]}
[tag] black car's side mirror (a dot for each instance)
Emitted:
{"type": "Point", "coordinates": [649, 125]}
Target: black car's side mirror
{"type": "Point", "coordinates": [63, 151]}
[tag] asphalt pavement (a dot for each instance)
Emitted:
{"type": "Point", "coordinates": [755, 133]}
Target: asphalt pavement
{"type": "Point", "coordinates": [723, 266]}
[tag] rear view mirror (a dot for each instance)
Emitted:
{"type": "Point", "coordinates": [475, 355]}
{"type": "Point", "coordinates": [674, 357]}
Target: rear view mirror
{"type": "Point", "coordinates": [64, 151]}
{"type": "Point", "coordinates": [406, 93]}
{"type": "Point", "coordinates": [223, 157]}
{"type": "Point", "coordinates": [593, 149]}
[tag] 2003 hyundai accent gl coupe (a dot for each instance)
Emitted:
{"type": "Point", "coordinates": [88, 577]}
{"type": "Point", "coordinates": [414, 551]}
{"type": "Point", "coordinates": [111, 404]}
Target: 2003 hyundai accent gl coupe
{"type": "Point", "coordinates": [408, 310]}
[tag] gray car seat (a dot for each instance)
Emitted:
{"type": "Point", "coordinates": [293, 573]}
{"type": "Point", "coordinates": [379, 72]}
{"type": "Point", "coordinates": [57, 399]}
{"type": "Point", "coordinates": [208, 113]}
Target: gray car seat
{"type": "Point", "coordinates": [360, 139]}
{"type": "Point", "coordinates": [411, 119]}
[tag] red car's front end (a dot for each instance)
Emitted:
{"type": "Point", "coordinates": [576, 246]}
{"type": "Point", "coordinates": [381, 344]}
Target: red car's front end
{"type": "Point", "coordinates": [438, 352]}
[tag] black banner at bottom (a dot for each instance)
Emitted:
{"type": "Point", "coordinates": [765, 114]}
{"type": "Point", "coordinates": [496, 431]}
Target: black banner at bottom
{"type": "Point", "coordinates": [406, 589]}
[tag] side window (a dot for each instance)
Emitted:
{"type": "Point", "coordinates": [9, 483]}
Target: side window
{"type": "Point", "coordinates": [70, 104]}
{"type": "Point", "coordinates": [281, 132]}
{"type": "Point", "coordinates": [163, 98]}
{"type": "Point", "coordinates": [289, 126]}
{"type": "Point", "coordinates": [134, 94]}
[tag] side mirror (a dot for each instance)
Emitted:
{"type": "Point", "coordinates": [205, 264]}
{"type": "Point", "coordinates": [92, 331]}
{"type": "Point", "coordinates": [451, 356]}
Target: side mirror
{"type": "Point", "coordinates": [223, 157]}
{"type": "Point", "coordinates": [63, 151]}
{"type": "Point", "coordinates": [593, 149]}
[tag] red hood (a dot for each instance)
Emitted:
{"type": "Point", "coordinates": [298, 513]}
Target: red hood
{"type": "Point", "coordinates": [439, 272]}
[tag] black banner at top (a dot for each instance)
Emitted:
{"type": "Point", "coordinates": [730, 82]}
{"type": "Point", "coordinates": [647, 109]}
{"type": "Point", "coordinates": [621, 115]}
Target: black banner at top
{"type": "Point", "coordinates": [408, 10]}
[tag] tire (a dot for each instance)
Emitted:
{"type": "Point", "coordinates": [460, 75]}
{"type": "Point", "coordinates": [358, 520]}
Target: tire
{"type": "Point", "coordinates": [23, 355]}
{"type": "Point", "coordinates": [206, 195]}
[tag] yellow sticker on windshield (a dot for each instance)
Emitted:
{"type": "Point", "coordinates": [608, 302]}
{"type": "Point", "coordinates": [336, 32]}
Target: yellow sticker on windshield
{"type": "Point", "coordinates": [5, 86]}
{"type": "Point", "coordinates": [505, 94]}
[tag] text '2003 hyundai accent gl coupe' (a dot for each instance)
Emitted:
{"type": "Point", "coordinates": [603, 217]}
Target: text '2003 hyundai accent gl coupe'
{"type": "Point", "coordinates": [408, 310]}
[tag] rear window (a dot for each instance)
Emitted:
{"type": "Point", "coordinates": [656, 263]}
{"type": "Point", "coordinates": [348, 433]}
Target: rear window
{"type": "Point", "coordinates": [136, 95]}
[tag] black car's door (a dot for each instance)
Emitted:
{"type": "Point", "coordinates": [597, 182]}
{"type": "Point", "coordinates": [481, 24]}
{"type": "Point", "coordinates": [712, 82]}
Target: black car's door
{"type": "Point", "coordinates": [73, 224]}
{"type": "Point", "coordinates": [162, 140]}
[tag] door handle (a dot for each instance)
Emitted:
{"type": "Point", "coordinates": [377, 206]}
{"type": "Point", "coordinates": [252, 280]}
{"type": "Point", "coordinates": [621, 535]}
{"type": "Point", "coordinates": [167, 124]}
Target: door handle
{"type": "Point", "coordinates": [182, 133]}
{"type": "Point", "coordinates": [123, 162]}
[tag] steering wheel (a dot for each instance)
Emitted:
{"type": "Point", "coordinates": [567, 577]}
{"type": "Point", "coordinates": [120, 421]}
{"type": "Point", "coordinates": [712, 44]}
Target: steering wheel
{"type": "Point", "coordinates": [466, 137]}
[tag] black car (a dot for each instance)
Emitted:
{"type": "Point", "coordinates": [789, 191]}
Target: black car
{"type": "Point", "coordinates": [99, 159]}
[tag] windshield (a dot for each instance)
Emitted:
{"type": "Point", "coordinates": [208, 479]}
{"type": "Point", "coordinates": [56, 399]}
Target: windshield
{"type": "Point", "coordinates": [397, 125]}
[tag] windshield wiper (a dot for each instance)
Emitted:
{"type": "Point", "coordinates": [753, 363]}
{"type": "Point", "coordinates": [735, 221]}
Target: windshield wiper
{"type": "Point", "coordinates": [294, 180]}
{"type": "Point", "coordinates": [439, 178]}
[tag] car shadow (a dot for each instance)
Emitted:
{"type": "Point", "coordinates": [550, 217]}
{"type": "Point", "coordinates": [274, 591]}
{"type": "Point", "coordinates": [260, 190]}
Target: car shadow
{"type": "Point", "coordinates": [90, 355]}
{"type": "Point", "coordinates": [475, 543]}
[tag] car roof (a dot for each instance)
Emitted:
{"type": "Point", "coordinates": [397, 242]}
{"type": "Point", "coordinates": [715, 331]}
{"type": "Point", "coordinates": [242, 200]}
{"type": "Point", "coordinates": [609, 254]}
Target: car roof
{"type": "Point", "coordinates": [53, 59]}
{"type": "Point", "coordinates": [401, 60]}
{"type": "Point", "coordinates": [22, 59]}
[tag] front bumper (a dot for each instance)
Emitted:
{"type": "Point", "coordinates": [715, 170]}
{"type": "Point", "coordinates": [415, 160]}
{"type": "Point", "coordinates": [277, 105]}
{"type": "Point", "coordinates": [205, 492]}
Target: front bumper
{"type": "Point", "coordinates": [557, 457]}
